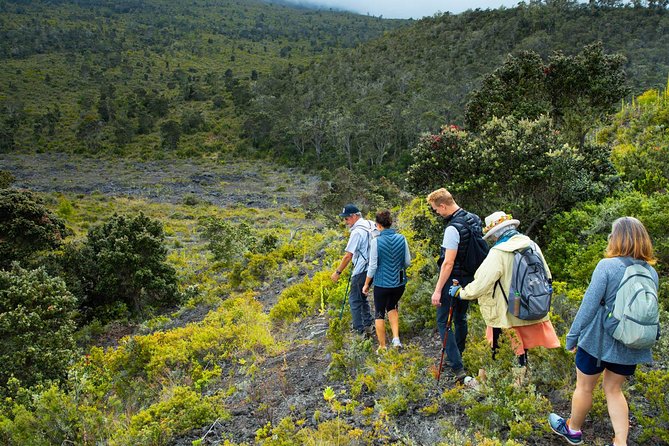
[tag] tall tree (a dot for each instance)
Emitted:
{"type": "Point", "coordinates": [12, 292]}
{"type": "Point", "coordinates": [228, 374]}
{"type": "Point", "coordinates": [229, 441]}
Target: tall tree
{"type": "Point", "coordinates": [577, 92]}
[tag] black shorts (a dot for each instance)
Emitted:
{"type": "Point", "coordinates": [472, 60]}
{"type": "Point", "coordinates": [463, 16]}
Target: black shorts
{"type": "Point", "coordinates": [386, 299]}
{"type": "Point", "coordinates": [587, 364]}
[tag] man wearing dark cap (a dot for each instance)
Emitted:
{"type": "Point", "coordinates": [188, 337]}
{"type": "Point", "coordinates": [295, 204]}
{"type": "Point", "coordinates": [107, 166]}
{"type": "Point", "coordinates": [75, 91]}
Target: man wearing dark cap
{"type": "Point", "coordinates": [357, 250]}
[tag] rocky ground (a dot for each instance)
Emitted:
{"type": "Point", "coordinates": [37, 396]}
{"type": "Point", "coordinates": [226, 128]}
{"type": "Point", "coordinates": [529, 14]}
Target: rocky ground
{"type": "Point", "coordinates": [224, 183]}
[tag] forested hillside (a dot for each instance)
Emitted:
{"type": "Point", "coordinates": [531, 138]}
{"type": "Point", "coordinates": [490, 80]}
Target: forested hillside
{"type": "Point", "coordinates": [366, 107]}
{"type": "Point", "coordinates": [150, 76]}
{"type": "Point", "coordinates": [319, 88]}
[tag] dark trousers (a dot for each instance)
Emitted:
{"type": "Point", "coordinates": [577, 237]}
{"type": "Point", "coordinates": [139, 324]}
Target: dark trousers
{"type": "Point", "coordinates": [360, 312]}
{"type": "Point", "coordinates": [455, 344]}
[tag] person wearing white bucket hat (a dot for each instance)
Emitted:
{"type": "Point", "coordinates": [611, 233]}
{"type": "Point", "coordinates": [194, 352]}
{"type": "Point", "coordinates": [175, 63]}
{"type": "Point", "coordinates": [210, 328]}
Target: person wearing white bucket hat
{"type": "Point", "coordinates": [497, 269]}
{"type": "Point", "coordinates": [496, 222]}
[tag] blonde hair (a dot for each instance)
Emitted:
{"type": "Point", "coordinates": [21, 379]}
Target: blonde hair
{"type": "Point", "coordinates": [629, 238]}
{"type": "Point", "coordinates": [440, 196]}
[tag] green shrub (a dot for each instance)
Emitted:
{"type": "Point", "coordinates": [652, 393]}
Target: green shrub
{"type": "Point", "coordinates": [6, 179]}
{"type": "Point", "coordinates": [52, 418]}
{"type": "Point", "coordinates": [36, 326]}
{"type": "Point", "coordinates": [26, 227]}
{"type": "Point", "coordinates": [179, 411]}
{"type": "Point", "coordinates": [306, 297]}
{"type": "Point", "coordinates": [578, 237]}
{"type": "Point", "coordinates": [124, 260]}
{"type": "Point", "coordinates": [227, 241]}
{"type": "Point", "coordinates": [653, 413]}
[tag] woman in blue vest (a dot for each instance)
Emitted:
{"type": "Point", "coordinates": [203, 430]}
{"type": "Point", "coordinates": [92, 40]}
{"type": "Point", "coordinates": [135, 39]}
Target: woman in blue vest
{"type": "Point", "coordinates": [388, 259]}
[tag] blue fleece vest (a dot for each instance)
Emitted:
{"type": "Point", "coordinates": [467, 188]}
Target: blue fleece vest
{"type": "Point", "coordinates": [390, 247]}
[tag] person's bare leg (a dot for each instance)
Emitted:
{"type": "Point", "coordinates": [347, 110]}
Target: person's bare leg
{"type": "Point", "coordinates": [581, 401]}
{"type": "Point", "coordinates": [394, 318]}
{"type": "Point", "coordinates": [381, 332]}
{"type": "Point", "coordinates": [617, 406]}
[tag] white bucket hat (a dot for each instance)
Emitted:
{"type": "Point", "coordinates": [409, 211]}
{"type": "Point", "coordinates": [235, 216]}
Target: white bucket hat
{"type": "Point", "coordinates": [495, 222]}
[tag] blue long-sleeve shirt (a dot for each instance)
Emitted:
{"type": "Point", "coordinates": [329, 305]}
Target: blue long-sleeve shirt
{"type": "Point", "coordinates": [587, 330]}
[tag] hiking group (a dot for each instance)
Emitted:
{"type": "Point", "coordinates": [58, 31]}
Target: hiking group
{"type": "Point", "coordinates": [505, 271]}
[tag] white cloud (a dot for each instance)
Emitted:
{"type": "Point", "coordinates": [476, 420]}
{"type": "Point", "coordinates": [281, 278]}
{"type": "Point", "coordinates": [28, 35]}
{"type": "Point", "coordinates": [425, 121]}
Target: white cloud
{"type": "Point", "coordinates": [408, 9]}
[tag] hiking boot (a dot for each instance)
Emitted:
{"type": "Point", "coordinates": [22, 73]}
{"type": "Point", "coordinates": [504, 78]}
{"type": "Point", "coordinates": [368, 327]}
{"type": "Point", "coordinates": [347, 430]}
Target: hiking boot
{"type": "Point", "coordinates": [560, 427]}
{"type": "Point", "coordinates": [460, 375]}
{"type": "Point", "coordinates": [369, 331]}
{"type": "Point", "coordinates": [396, 343]}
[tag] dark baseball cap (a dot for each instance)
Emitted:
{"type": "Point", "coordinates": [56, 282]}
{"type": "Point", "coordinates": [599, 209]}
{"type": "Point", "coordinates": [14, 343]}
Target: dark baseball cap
{"type": "Point", "coordinates": [348, 210]}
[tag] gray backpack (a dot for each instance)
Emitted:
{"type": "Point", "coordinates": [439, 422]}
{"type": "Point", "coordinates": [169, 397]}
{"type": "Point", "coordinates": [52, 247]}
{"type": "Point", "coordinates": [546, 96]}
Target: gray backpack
{"type": "Point", "coordinates": [634, 318]}
{"type": "Point", "coordinates": [531, 290]}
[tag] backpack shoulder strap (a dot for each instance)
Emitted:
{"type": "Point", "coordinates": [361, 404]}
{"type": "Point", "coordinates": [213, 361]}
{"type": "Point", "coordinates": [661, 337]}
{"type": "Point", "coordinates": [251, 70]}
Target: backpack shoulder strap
{"type": "Point", "coordinates": [368, 231]}
{"type": "Point", "coordinates": [627, 261]}
{"type": "Point", "coordinates": [498, 283]}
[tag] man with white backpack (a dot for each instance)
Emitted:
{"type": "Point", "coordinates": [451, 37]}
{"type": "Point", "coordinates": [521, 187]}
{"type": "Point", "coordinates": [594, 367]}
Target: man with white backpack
{"type": "Point", "coordinates": [357, 251]}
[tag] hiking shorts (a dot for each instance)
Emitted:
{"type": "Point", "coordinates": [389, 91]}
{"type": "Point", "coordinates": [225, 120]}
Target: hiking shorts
{"type": "Point", "coordinates": [587, 364]}
{"type": "Point", "coordinates": [386, 299]}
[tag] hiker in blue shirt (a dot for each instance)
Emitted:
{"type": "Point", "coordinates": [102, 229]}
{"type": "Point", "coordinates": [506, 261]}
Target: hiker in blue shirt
{"type": "Point", "coordinates": [388, 259]}
{"type": "Point", "coordinates": [357, 251]}
{"type": "Point", "coordinates": [596, 350]}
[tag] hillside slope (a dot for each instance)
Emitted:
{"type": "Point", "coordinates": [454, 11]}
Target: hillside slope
{"type": "Point", "coordinates": [366, 107]}
{"type": "Point", "coordinates": [147, 77]}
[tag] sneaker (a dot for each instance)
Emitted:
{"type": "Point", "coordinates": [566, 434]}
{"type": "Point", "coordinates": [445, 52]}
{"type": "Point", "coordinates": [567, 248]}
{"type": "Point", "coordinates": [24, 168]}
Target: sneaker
{"type": "Point", "coordinates": [369, 331]}
{"type": "Point", "coordinates": [559, 426]}
{"type": "Point", "coordinates": [470, 383]}
{"type": "Point", "coordinates": [396, 343]}
{"type": "Point", "coordinates": [380, 350]}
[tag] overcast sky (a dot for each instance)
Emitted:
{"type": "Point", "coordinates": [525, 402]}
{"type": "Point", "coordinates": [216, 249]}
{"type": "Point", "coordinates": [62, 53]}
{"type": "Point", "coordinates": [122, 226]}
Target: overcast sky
{"type": "Point", "coordinates": [405, 9]}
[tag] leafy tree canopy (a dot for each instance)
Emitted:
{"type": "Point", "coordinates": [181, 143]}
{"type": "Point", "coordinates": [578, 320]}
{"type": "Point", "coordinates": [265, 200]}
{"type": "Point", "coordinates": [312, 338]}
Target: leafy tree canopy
{"type": "Point", "coordinates": [577, 91]}
{"type": "Point", "coordinates": [523, 167]}
{"type": "Point", "coordinates": [124, 261]}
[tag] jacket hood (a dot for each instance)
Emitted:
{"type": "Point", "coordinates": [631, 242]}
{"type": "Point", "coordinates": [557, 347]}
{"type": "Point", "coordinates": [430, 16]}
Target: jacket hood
{"type": "Point", "coordinates": [518, 241]}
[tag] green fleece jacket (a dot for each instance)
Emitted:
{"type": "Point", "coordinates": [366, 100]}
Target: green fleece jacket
{"type": "Point", "coordinates": [498, 265]}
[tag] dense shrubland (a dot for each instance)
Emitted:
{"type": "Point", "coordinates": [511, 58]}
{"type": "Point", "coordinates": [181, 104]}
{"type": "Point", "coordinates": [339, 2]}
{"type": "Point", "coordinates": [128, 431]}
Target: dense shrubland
{"type": "Point", "coordinates": [211, 295]}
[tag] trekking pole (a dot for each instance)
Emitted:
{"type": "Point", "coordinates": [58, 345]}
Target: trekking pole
{"type": "Point", "coordinates": [348, 284]}
{"type": "Point", "coordinates": [448, 327]}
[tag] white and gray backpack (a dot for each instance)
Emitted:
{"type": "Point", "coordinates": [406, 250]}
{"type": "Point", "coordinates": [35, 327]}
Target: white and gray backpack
{"type": "Point", "coordinates": [634, 317]}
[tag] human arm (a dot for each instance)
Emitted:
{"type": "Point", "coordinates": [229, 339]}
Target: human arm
{"type": "Point", "coordinates": [444, 274]}
{"type": "Point", "coordinates": [590, 305]}
{"type": "Point", "coordinates": [342, 266]}
{"type": "Point", "coordinates": [407, 254]}
{"type": "Point", "coordinates": [372, 266]}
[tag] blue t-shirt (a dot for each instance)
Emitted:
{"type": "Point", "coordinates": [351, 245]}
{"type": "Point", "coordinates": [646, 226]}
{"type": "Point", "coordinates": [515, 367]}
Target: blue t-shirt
{"type": "Point", "coordinates": [451, 238]}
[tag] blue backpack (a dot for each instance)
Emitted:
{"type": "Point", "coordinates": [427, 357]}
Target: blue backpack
{"type": "Point", "coordinates": [531, 290]}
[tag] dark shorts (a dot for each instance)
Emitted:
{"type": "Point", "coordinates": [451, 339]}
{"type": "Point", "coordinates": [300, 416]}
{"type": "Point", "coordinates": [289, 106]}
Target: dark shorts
{"type": "Point", "coordinates": [386, 299]}
{"type": "Point", "coordinates": [587, 364]}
